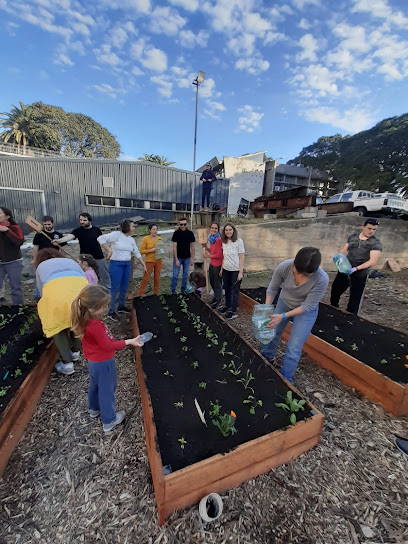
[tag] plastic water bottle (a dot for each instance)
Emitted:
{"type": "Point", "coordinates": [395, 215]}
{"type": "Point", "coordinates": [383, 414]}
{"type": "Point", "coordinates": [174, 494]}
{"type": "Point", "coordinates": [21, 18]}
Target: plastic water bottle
{"type": "Point", "coordinates": [160, 249]}
{"type": "Point", "coordinates": [342, 263]}
{"type": "Point", "coordinates": [145, 337]}
{"type": "Point", "coordinates": [190, 288]}
{"type": "Point", "coordinates": [261, 315]}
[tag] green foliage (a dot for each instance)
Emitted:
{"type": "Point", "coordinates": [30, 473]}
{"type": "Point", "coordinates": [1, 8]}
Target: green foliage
{"type": "Point", "coordinates": [292, 405]}
{"type": "Point", "coordinates": [194, 364]}
{"type": "Point", "coordinates": [247, 380]}
{"type": "Point", "coordinates": [50, 127]}
{"type": "Point", "coordinates": [182, 442]}
{"type": "Point", "coordinates": [179, 404]}
{"type": "Point", "coordinates": [3, 390]}
{"type": "Point", "coordinates": [226, 424]}
{"type": "Point", "coordinates": [215, 409]}
{"type": "Point", "coordinates": [156, 159]}
{"type": "Point", "coordinates": [17, 373]}
{"type": "Point", "coordinates": [375, 159]}
{"type": "Point", "coordinates": [202, 385]}
{"type": "Point", "coordinates": [339, 339]}
{"type": "Point", "coordinates": [253, 403]}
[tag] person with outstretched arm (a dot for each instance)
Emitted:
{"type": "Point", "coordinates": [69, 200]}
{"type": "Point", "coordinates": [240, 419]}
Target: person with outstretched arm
{"type": "Point", "coordinates": [303, 284]}
{"type": "Point", "coordinates": [363, 250]}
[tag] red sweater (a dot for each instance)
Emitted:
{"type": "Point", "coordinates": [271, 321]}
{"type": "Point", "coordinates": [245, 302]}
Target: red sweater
{"type": "Point", "coordinates": [216, 252]}
{"type": "Point", "coordinates": [98, 342]}
{"type": "Point", "coordinates": [10, 242]}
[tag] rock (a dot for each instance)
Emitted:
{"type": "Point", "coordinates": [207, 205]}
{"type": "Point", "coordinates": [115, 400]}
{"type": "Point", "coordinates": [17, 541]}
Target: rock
{"type": "Point", "coordinates": [367, 531]}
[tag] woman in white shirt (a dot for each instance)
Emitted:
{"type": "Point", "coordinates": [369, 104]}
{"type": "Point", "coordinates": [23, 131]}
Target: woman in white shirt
{"type": "Point", "coordinates": [119, 253]}
{"type": "Point", "coordinates": [232, 269]}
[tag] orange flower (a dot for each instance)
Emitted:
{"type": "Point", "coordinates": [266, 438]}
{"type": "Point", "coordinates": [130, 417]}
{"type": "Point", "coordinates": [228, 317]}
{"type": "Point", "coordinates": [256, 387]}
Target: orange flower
{"type": "Point", "coordinates": [406, 366]}
{"type": "Point", "coordinates": [233, 414]}
{"type": "Point", "coordinates": [406, 357]}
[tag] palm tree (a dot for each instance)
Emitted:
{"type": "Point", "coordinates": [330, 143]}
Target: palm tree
{"type": "Point", "coordinates": [156, 159]}
{"type": "Point", "coordinates": [17, 125]}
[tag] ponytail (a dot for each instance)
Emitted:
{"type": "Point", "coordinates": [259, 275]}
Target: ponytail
{"type": "Point", "coordinates": [91, 299]}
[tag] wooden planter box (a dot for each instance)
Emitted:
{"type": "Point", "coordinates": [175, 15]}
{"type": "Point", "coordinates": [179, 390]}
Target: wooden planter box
{"type": "Point", "coordinates": [220, 472]}
{"type": "Point", "coordinates": [22, 406]}
{"type": "Point", "coordinates": [373, 385]}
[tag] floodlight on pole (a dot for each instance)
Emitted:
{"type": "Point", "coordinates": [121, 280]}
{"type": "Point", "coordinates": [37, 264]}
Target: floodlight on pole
{"type": "Point", "coordinates": [197, 82]}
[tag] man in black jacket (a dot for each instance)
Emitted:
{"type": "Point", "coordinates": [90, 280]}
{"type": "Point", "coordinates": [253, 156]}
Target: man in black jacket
{"type": "Point", "coordinates": [207, 177]}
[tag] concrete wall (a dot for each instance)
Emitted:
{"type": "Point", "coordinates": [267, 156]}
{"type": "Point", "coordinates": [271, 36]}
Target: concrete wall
{"type": "Point", "coordinates": [246, 180]}
{"type": "Point", "coordinates": [267, 244]}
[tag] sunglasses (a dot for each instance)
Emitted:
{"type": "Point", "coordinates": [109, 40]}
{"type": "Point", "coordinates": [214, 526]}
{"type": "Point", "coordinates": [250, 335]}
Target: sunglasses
{"type": "Point", "coordinates": [183, 224]}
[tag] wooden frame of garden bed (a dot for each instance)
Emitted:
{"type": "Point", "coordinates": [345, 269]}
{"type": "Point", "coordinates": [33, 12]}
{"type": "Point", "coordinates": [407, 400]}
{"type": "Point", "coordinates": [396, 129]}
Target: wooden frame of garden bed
{"type": "Point", "coordinates": [22, 406]}
{"type": "Point", "coordinates": [220, 472]}
{"type": "Point", "coordinates": [372, 384]}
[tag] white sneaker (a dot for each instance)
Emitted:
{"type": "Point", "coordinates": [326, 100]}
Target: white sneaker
{"type": "Point", "coordinates": [94, 413]}
{"type": "Point", "coordinates": [65, 368]}
{"type": "Point", "coordinates": [120, 416]}
{"type": "Point", "coordinates": [75, 355]}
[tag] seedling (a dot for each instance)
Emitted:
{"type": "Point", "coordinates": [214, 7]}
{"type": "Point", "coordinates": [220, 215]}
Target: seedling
{"type": "Point", "coordinates": [215, 409]}
{"type": "Point", "coordinates": [166, 308]}
{"type": "Point", "coordinates": [233, 369]}
{"type": "Point", "coordinates": [202, 385]}
{"type": "Point", "coordinates": [179, 404]}
{"type": "Point", "coordinates": [253, 402]}
{"type": "Point", "coordinates": [29, 350]}
{"type": "Point", "coordinates": [24, 358]}
{"type": "Point", "coordinates": [182, 442]}
{"type": "Point", "coordinates": [40, 342]}
{"type": "Point", "coordinates": [194, 364]}
{"type": "Point", "coordinates": [17, 373]}
{"type": "Point", "coordinates": [177, 330]}
{"type": "Point", "coordinates": [354, 347]}
{"type": "Point", "coordinates": [183, 339]}
{"type": "Point", "coordinates": [226, 423]}
{"type": "Point", "coordinates": [172, 320]}
{"type": "Point", "coordinates": [169, 314]}
{"type": "Point", "coordinates": [384, 361]}
{"type": "Point", "coordinates": [184, 349]}
{"type": "Point", "coordinates": [292, 405]}
{"type": "Point", "coordinates": [222, 350]}
{"type": "Point", "coordinates": [336, 328]}
{"type": "Point", "coordinates": [3, 349]}
{"type": "Point", "coordinates": [339, 339]}
{"type": "Point", "coordinates": [159, 350]}
{"type": "Point", "coordinates": [247, 380]}
{"type": "Point", "coordinates": [167, 373]}
{"type": "Point", "coordinates": [3, 390]}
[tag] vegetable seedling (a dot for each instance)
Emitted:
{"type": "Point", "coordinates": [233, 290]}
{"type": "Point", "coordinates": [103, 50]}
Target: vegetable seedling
{"type": "Point", "coordinates": [247, 380]}
{"type": "Point", "coordinates": [226, 423]}
{"type": "Point", "coordinates": [354, 347]}
{"type": "Point", "coordinates": [177, 330]}
{"type": "Point", "coordinates": [384, 361]}
{"type": "Point", "coordinates": [222, 350]}
{"type": "Point", "coordinates": [3, 390]}
{"type": "Point", "coordinates": [194, 364]}
{"type": "Point", "coordinates": [215, 409]}
{"type": "Point", "coordinates": [202, 385]}
{"type": "Point", "coordinates": [182, 442]}
{"type": "Point", "coordinates": [159, 350]}
{"type": "Point", "coordinates": [179, 404]}
{"type": "Point", "coordinates": [339, 339]}
{"type": "Point", "coordinates": [233, 369]}
{"type": "Point", "coordinates": [17, 373]}
{"type": "Point", "coordinates": [253, 402]}
{"type": "Point", "coordinates": [183, 339]}
{"type": "Point", "coordinates": [292, 405]}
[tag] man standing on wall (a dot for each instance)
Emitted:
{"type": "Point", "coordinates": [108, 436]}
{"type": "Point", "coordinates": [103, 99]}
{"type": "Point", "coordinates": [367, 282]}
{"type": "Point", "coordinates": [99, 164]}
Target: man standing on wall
{"type": "Point", "coordinates": [207, 177]}
{"type": "Point", "coordinates": [363, 251]}
{"type": "Point", "coordinates": [87, 236]}
{"type": "Point", "coordinates": [183, 254]}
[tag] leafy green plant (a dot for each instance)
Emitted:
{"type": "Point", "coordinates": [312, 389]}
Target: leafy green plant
{"type": "Point", "coordinates": [3, 390]}
{"type": "Point", "coordinates": [179, 404]}
{"type": "Point", "coordinates": [354, 347]}
{"type": "Point", "coordinates": [236, 371]}
{"type": "Point", "coordinates": [177, 330]}
{"type": "Point", "coordinates": [3, 349]}
{"type": "Point", "coordinates": [384, 361]}
{"type": "Point", "coordinates": [339, 339]}
{"type": "Point", "coordinates": [29, 350]}
{"type": "Point", "coordinates": [202, 385]}
{"type": "Point", "coordinates": [223, 350]}
{"type": "Point", "coordinates": [172, 320]}
{"type": "Point", "coordinates": [183, 339]}
{"type": "Point", "coordinates": [159, 350]}
{"type": "Point", "coordinates": [182, 442]}
{"type": "Point", "coordinates": [184, 349]}
{"type": "Point", "coordinates": [17, 373]}
{"type": "Point", "coordinates": [167, 373]}
{"type": "Point", "coordinates": [253, 403]}
{"type": "Point", "coordinates": [169, 314]}
{"type": "Point", "coordinates": [194, 364]}
{"type": "Point", "coordinates": [24, 358]}
{"type": "Point", "coordinates": [40, 342]}
{"type": "Point", "coordinates": [292, 405]}
{"type": "Point", "coordinates": [225, 423]}
{"type": "Point", "coordinates": [247, 380]}
{"type": "Point", "coordinates": [215, 409]}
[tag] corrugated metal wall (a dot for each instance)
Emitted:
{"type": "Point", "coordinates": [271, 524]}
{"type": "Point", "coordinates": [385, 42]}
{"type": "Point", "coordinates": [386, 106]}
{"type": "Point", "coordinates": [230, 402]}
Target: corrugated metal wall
{"type": "Point", "coordinates": [65, 183]}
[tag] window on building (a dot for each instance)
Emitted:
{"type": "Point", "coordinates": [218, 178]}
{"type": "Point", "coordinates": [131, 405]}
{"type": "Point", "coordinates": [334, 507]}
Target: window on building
{"type": "Point", "coordinates": [167, 205]}
{"type": "Point", "coordinates": [138, 203]}
{"type": "Point", "coordinates": [91, 199]}
{"type": "Point", "coordinates": [125, 202]}
{"type": "Point", "coordinates": [181, 206]}
{"type": "Point", "coordinates": [108, 201]}
{"type": "Point", "coordinates": [155, 205]}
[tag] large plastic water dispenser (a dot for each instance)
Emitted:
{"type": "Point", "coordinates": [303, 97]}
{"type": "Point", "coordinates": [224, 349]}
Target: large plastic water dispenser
{"type": "Point", "coordinates": [261, 315]}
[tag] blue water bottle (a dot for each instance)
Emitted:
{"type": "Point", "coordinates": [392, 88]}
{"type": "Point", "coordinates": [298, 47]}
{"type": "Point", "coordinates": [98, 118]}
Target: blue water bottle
{"type": "Point", "coordinates": [342, 263]}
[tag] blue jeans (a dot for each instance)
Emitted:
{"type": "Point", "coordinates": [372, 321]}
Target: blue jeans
{"type": "Point", "coordinates": [206, 193]}
{"type": "Point", "coordinates": [119, 272]}
{"type": "Point", "coordinates": [185, 263]}
{"type": "Point", "coordinates": [302, 325]}
{"type": "Point", "coordinates": [13, 269]}
{"type": "Point", "coordinates": [101, 391]}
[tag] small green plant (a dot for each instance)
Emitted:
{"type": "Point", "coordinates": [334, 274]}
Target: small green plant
{"type": "Point", "coordinates": [236, 371]}
{"type": "Point", "coordinates": [166, 308]}
{"type": "Point", "coordinates": [172, 320]}
{"type": "Point", "coordinates": [167, 373]}
{"type": "Point", "coordinates": [182, 442]}
{"type": "Point", "coordinates": [40, 342]}
{"type": "Point", "coordinates": [17, 373]}
{"type": "Point", "coordinates": [159, 350]}
{"type": "Point", "coordinates": [177, 330]}
{"type": "Point", "coordinates": [292, 405]}
{"type": "Point", "coordinates": [169, 314]}
{"type": "Point", "coordinates": [339, 339]}
{"type": "Point", "coordinates": [354, 347]}
{"type": "Point", "coordinates": [215, 409]}
{"type": "Point", "coordinates": [336, 328]}
{"type": "Point", "coordinates": [194, 364]}
{"type": "Point", "coordinates": [184, 349]}
{"type": "Point", "coordinates": [3, 390]}
{"type": "Point", "coordinates": [247, 380]}
{"type": "Point", "coordinates": [183, 339]}
{"type": "Point", "coordinates": [202, 385]}
{"type": "Point", "coordinates": [29, 350]}
{"type": "Point", "coordinates": [223, 350]}
{"type": "Point", "coordinates": [24, 358]}
{"type": "Point", "coordinates": [226, 423]}
{"type": "Point", "coordinates": [3, 349]}
{"type": "Point", "coordinates": [384, 361]}
{"type": "Point", "coordinates": [253, 403]}
{"type": "Point", "coordinates": [179, 404]}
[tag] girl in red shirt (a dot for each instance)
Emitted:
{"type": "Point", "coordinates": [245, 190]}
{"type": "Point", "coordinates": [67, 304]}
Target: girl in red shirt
{"type": "Point", "coordinates": [214, 252]}
{"type": "Point", "coordinates": [99, 347]}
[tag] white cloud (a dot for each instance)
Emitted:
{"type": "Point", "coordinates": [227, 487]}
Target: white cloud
{"type": "Point", "coordinates": [118, 37]}
{"type": "Point", "coordinates": [315, 78]}
{"type": "Point", "coordinates": [108, 90]}
{"type": "Point", "coordinates": [253, 65]}
{"type": "Point", "coordinates": [154, 59]}
{"type": "Point", "coordinates": [300, 4]}
{"type": "Point", "coordinates": [351, 120]}
{"type": "Point", "coordinates": [164, 86]}
{"type": "Point", "coordinates": [249, 119]}
{"type": "Point", "coordinates": [106, 56]}
{"type": "Point", "coordinates": [353, 37]}
{"type": "Point", "coordinates": [165, 21]}
{"type": "Point", "coordinates": [207, 89]}
{"type": "Point", "coordinates": [136, 71]}
{"type": "Point", "coordinates": [189, 5]}
{"type": "Point", "coordinates": [309, 47]}
{"type": "Point", "coordinates": [381, 9]}
{"type": "Point", "coordinates": [390, 71]}
{"type": "Point", "coordinates": [142, 6]}
{"type": "Point", "coordinates": [213, 109]}
{"type": "Point", "coordinates": [190, 40]}
{"type": "Point", "coordinates": [304, 24]}
{"type": "Point", "coordinates": [62, 58]}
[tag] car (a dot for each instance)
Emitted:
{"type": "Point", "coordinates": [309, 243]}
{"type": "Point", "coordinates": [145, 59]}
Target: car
{"type": "Point", "coordinates": [367, 202]}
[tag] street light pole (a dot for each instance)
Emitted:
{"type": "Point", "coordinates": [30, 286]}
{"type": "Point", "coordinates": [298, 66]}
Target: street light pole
{"type": "Point", "coordinates": [198, 80]}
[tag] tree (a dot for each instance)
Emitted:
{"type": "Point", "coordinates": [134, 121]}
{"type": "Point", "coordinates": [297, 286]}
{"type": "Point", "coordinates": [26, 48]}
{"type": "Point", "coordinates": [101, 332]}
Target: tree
{"type": "Point", "coordinates": [156, 159]}
{"type": "Point", "coordinates": [17, 125]}
{"type": "Point", "coordinates": [71, 134]}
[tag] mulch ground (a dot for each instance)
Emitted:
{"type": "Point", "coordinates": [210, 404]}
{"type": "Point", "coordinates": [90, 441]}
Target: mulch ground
{"type": "Point", "coordinates": [67, 482]}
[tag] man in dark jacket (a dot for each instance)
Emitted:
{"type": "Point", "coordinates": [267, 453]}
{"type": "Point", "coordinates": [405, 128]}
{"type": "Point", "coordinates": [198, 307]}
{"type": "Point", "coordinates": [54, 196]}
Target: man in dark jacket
{"type": "Point", "coordinates": [11, 262]}
{"type": "Point", "coordinates": [207, 177]}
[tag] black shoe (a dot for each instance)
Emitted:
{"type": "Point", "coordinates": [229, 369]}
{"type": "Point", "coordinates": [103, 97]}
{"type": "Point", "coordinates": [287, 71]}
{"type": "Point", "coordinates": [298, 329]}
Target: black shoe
{"type": "Point", "coordinates": [123, 309]}
{"type": "Point", "coordinates": [230, 315]}
{"type": "Point", "coordinates": [214, 304]}
{"type": "Point", "coordinates": [114, 316]}
{"type": "Point", "coordinates": [402, 445]}
{"type": "Point", "coordinates": [223, 310]}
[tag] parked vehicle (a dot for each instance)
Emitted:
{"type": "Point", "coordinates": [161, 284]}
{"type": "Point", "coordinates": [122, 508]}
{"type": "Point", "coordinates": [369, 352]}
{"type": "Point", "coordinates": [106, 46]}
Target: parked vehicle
{"type": "Point", "coordinates": [367, 203]}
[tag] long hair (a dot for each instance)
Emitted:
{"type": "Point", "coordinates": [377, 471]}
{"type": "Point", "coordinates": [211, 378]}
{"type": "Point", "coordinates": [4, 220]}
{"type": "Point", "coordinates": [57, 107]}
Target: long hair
{"type": "Point", "coordinates": [125, 226]}
{"type": "Point", "coordinates": [91, 299]}
{"type": "Point", "coordinates": [8, 212]}
{"type": "Point", "coordinates": [46, 254]}
{"type": "Point", "coordinates": [234, 236]}
{"type": "Point", "coordinates": [90, 261]}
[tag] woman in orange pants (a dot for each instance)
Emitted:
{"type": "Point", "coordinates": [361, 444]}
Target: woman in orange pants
{"type": "Point", "coordinates": [153, 263]}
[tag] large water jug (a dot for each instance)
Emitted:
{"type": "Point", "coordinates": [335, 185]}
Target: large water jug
{"type": "Point", "coordinates": [342, 263]}
{"type": "Point", "coordinates": [261, 315]}
{"type": "Point", "coordinates": [146, 337]}
{"type": "Point", "coordinates": [190, 288]}
{"type": "Point", "coordinates": [160, 249]}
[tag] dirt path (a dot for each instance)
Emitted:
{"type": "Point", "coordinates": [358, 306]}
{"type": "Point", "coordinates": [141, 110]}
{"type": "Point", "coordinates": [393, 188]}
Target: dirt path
{"type": "Point", "coordinates": [67, 483]}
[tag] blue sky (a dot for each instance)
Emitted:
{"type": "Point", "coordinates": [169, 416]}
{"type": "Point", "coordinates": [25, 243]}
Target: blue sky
{"type": "Point", "coordinates": [279, 74]}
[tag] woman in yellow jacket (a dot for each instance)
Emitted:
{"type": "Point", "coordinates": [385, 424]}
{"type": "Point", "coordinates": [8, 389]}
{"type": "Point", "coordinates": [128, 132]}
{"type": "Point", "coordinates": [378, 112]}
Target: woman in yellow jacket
{"type": "Point", "coordinates": [153, 263]}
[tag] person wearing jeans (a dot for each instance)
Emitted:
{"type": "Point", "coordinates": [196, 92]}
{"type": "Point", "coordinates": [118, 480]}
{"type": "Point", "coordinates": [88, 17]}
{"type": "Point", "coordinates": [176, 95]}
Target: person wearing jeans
{"type": "Point", "coordinates": [303, 284]}
{"type": "Point", "coordinates": [11, 262]}
{"type": "Point", "coordinates": [214, 253]}
{"type": "Point", "coordinates": [232, 269]}
{"type": "Point", "coordinates": [183, 254]}
{"type": "Point", "coordinates": [123, 245]}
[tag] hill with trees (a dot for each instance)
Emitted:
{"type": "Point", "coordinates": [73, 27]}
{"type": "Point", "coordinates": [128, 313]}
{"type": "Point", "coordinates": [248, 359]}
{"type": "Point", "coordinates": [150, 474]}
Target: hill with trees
{"type": "Point", "coordinates": [374, 159]}
{"type": "Point", "coordinates": [50, 127]}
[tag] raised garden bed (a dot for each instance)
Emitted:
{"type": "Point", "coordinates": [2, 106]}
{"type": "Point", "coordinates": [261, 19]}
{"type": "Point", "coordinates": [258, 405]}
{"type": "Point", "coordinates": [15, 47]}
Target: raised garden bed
{"type": "Point", "coordinates": [196, 355]}
{"type": "Point", "coordinates": [367, 356]}
{"type": "Point", "coordinates": [25, 366]}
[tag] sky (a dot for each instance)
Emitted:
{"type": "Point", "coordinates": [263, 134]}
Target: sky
{"type": "Point", "coordinates": [278, 74]}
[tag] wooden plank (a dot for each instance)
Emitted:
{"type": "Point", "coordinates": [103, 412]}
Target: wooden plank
{"type": "Point", "coordinates": [22, 406]}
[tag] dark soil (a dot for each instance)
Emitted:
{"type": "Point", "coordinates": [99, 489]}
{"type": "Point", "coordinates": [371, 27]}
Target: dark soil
{"type": "Point", "coordinates": [171, 378]}
{"type": "Point", "coordinates": [379, 347]}
{"type": "Point", "coordinates": [11, 361]}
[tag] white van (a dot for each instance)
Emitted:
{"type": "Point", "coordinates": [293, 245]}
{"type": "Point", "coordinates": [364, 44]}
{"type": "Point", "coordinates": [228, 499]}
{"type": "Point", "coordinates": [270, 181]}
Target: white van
{"type": "Point", "coordinates": [366, 202]}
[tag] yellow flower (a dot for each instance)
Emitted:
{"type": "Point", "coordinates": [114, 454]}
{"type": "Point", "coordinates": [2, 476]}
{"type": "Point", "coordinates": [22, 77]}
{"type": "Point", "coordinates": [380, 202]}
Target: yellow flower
{"type": "Point", "coordinates": [233, 414]}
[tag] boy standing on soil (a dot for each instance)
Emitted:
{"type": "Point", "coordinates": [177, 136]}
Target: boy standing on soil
{"type": "Point", "coordinates": [363, 251]}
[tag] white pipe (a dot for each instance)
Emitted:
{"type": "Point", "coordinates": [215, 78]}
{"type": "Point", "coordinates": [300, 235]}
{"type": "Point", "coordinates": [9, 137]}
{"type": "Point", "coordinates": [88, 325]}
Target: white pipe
{"type": "Point", "coordinates": [42, 195]}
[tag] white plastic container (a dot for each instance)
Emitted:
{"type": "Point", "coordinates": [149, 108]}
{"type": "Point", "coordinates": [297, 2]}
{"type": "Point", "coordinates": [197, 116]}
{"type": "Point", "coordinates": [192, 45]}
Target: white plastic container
{"type": "Point", "coordinates": [210, 507]}
{"type": "Point", "coordinates": [261, 315]}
